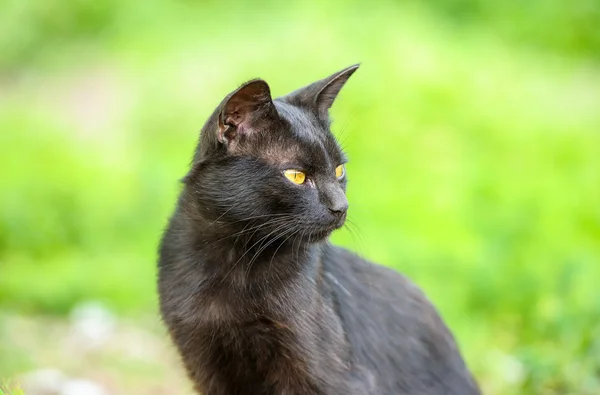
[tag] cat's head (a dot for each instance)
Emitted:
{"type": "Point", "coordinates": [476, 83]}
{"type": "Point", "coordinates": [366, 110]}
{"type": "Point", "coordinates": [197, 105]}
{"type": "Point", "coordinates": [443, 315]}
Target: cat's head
{"type": "Point", "coordinates": [272, 165]}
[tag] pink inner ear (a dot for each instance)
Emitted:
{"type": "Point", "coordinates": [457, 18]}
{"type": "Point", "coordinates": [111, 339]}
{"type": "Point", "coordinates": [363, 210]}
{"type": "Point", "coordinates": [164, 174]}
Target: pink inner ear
{"type": "Point", "coordinates": [234, 119]}
{"type": "Point", "coordinates": [234, 123]}
{"type": "Point", "coordinates": [248, 108]}
{"type": "Point", "coordinates": [238, 120]}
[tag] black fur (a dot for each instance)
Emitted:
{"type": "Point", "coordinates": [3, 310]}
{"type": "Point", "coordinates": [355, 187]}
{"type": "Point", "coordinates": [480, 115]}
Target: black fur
{"type": "Point", "coordinates": [255, 298]}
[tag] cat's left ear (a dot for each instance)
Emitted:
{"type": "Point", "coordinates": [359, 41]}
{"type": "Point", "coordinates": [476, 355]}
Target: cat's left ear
{"type": "Point", "coordinates": [319, 96]}
{"type": "Point", "coordinates": [245, 111]}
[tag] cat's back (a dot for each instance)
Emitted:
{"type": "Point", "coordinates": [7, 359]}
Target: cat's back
{"type": "Point", "coordinates": [395, 332]}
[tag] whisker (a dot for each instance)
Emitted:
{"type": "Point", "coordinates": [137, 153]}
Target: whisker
{"type": "Point", "coordinates": [248, 250]}
{"type": "Point", "coordinates": [268, 243]}
{"type": "Point", "coordinates": [247, 230]}
{"type": "Point", "coordinates": [282, 243]}
{"type": "Point", "coordinates": [356, 234]}
{"type": "Point", "coordinates": [220, 216]}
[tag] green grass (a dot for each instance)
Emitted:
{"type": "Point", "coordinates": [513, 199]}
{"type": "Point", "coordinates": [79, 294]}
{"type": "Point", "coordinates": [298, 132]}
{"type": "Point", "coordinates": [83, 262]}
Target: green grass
{"type": "Point", "coordinates": [7, 388]}
{"type": "Point", "coordinates": [474, 167]}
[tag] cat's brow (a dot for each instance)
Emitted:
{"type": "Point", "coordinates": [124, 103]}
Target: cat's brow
{"type": "Point", "coordinates": [305, 140]}
{"type": "Point", "coordinates": [302, 124]}
{"type": "Point", "coordinates": [278, 155]}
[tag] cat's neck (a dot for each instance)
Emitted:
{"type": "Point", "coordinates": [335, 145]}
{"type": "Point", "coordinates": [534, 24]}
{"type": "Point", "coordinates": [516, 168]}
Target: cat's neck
{"type": "Point", "coordinates": [241, 284]}
{"type": "Point", "coordinates": [241, 261]}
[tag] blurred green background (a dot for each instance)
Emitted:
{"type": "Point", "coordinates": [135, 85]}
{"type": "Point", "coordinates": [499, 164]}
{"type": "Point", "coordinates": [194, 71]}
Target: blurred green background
{"type": "Point", "coordinates": [472, 127]}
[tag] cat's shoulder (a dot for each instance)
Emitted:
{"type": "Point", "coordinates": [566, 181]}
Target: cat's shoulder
{"type": "Point", "coordinates": [388, 318]}
{"type": "Point", "coordinates": [382, 294]}
{"type": "Point", "coordinates": [349, 268]}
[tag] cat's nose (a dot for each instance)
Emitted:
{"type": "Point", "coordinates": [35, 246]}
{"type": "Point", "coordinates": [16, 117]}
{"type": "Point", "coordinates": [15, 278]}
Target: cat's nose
{"type": "Point", "coordinates": [335, 200]}
{"type": "Point", "coordinates": [339, 209]}
{"type": "Point", "coordinates": [339, 214]}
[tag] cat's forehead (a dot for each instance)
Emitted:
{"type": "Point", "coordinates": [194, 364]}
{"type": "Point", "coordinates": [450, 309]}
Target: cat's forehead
{"type": "Point", "coordinates": [306, 137]}
{"type": "Point", "coordinates": [301, 140]}
{"type": "Point", "coordinates": [303, 124]}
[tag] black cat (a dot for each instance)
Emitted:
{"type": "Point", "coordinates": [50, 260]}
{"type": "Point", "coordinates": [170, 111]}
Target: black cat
{"type": "Point", "coordinates": [255, 298]}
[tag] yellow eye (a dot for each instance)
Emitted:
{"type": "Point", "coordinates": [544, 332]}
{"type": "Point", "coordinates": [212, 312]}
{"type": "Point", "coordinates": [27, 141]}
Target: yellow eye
{"type": "Point", "coordinates": [340, 171]}
{"type": "Point", "coordinates": [295, 176]}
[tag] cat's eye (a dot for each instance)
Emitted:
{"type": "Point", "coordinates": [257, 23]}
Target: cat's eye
{"type": "Point", "coordinates": [340, 171]}
{"type": "Point", "coordinates": [295, 176]}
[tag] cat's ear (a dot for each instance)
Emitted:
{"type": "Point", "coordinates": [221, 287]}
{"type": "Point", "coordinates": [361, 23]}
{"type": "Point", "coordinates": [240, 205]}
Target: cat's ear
{"type": "Point", "coordinates": [246, 110]}
{"type": "Point", "coordinates": [319, 96]}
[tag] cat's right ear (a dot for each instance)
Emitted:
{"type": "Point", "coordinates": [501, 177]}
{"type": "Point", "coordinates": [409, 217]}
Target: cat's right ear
{"type": "Point", "coordinates": [245, 111]}
{"type": "Point", "coordinates": [319, 96]}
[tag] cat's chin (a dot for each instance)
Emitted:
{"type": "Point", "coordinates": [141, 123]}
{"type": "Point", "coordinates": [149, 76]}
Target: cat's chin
{"type": "Point", "coordinates": [323, 234]}
{"type": "Point", "coordinates": [320, 236]}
